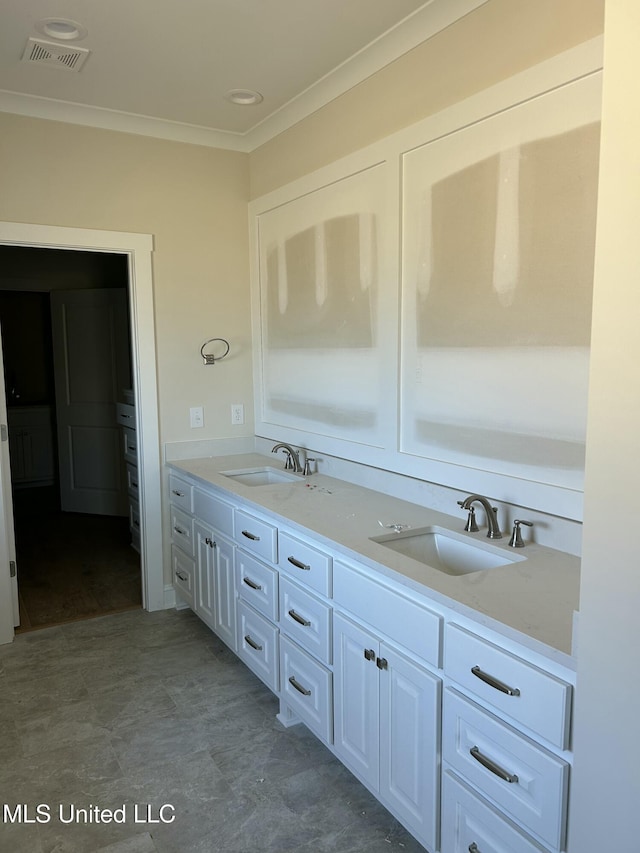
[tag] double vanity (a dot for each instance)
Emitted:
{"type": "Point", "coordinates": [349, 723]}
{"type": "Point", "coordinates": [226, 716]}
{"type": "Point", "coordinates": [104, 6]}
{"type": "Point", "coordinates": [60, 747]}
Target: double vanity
{"type": "Point", "coordinates": [435, 663]}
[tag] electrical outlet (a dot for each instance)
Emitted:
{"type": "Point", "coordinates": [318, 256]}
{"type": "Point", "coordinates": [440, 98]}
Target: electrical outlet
{"type": "Point", "coordinates": [196, 417]}
{"type": "Point", "coordinates": [237, 413]}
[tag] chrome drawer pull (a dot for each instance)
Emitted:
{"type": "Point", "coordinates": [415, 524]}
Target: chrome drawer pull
{"type": "Point", "coordinates": [180, 530]}
{"type": "Point", "coordinates": [252, 643]}
{"type": "Point", "coordinates": [473, 847]}
{"type": "Point", "coordinates": [251, 536]}
{"type": "Point", "coordinates": [182, 576]}
{"type": "Point", "coordinates": [369, 654]}
{"type": "Point", "coordinates": [494, 682]}
{"type": "Point", "coordinates": [299, 619]}
{"type": "Point", "coordinates": [298, 686]}
{"type": "Point", "coordinates": [251, 583]}
{"type": "Point", "coordinates": [298, 564]}
{"type": "Point", "coordinates": [175, 491]}
{"type": "Point", "coordinates": [492, 766]}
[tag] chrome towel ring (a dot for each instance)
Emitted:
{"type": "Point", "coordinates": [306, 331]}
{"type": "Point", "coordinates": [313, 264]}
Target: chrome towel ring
{"type": "Point", "coordinates": [209, 357]}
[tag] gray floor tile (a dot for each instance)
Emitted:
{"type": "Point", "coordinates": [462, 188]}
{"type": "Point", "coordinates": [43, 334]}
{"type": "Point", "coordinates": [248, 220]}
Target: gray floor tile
{"type": "Point", "coordinates": [138, 710]}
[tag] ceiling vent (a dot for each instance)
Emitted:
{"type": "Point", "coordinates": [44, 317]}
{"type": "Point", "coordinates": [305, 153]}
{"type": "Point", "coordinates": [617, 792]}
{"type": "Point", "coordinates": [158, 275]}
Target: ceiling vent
{"type": "Point", "coordinates": [54, 55]}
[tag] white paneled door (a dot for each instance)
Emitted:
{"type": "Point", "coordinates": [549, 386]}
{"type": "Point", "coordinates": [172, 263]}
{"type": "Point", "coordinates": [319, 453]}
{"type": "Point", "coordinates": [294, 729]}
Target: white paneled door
{"type": "Point", "coordinates": [91, 367]}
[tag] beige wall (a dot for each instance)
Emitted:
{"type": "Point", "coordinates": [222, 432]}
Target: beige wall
{"type": "Point", "coordinates": [193, 200]}
{"type": "Point", "coordinates": [492, 43]}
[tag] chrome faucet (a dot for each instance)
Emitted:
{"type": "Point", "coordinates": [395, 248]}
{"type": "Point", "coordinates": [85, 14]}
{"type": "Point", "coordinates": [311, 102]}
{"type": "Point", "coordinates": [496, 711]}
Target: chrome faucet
{"type": "Point", "coordinates": [293, 459]}
{"type": "Point", "coordinates": [494, 531]}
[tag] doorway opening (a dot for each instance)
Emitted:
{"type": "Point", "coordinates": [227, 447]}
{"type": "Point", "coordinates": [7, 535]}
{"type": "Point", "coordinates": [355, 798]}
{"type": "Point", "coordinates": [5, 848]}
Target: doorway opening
{"type": "Point", "coordinates": [68, 375]}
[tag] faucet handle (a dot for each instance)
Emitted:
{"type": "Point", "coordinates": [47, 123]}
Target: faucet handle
{"type": "Point", "coordinates": [307, 466]}
{"type": "Point", "coordinates": [516, 540]}
{"type": "Point", "coordinates": [472, 525]}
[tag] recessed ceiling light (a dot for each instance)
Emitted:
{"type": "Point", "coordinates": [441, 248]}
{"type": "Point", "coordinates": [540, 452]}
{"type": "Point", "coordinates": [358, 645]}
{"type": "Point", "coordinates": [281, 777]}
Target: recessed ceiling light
{"type": "Point", "coordinates": [62, 29]}
{"type": "Point", "coordinates": [243, 97]}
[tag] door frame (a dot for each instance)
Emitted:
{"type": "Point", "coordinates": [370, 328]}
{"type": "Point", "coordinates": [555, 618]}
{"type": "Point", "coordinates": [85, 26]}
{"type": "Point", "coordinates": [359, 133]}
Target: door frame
{"type": "Point", "coordinates": [138, 248]}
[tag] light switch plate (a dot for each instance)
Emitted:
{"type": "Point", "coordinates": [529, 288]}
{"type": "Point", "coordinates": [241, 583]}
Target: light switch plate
{"type": "Point", "coordinates": [196, 417]}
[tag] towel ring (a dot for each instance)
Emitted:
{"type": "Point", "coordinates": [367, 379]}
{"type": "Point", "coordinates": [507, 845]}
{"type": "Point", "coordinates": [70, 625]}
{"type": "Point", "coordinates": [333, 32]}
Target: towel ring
{"type": "Point", "coordinates": [209, 358]}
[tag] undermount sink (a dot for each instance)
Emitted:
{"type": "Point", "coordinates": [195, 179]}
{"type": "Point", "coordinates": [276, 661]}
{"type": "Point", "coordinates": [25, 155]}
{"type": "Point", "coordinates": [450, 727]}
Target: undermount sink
{"type": "Point", "coordinates": [446, 551]}
{"type": "Point", "coordinates": [263, 476]}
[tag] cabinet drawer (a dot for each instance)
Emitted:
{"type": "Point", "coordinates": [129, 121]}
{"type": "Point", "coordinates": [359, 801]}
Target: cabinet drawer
{"type": "Point", "coordinates": [184, 573]}
{"type": "Point", "coordinates": [126, 415]}
{"type": "Point", "coordinates": [256, 535]}
{"type": "Point", "coordinates": [307, 689]}
{"type": "Point", "coordinates": [309, 565]}
{"type": "Point", "coordinates": [133, 486]}
{"type": "Point", "coordinates": [130, 445]}
{"type": "Point", "coordinates": [534, 698]}
{"type": "Point", "coordinates": [527, 781]}
{"type": "Point", "coordinates": [181, 493]}
{"type": "Point", "coordinates": [258, 645]}
{"type": "Point", "coordinates": [402, 619]}
{"type": "Point", "coordinates": [134, 515]}
{"type": "Point", "coordinates": [306, 619]}
{"type": "Point", "coordinates": [182, 530]}
{"type": "Point", "coordinates": [213, 511]}
{"type": "Point", "coordinates": [257, 584]}
{"type": "Point", "coordinates": [470, 823]}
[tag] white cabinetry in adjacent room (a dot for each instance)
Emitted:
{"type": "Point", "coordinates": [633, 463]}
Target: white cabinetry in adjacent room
{"type": "Point", "coordinates": [31, 445]}
{"type": "Point", "coordinates": [126, 417]}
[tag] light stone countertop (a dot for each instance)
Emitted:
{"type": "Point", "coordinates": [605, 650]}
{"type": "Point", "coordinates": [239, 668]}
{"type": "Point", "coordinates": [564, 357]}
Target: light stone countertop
{"type": "Point", "coordinates": [531, 601]}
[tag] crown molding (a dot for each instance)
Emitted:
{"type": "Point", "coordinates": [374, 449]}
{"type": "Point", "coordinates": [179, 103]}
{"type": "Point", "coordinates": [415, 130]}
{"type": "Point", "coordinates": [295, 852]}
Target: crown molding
{"type": "Point", "coordinates": [425, 22]}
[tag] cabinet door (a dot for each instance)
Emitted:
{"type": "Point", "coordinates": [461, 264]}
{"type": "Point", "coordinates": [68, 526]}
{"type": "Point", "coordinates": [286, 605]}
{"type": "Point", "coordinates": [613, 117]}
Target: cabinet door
{"type": "Point", "coordinates": [356, 708]}
{"type": "Point", "coordinates": [204, 591]}
{"type": "Point", "coordinates": [224, 592]}
{"type": "Point", "coordinates": [409, 729]}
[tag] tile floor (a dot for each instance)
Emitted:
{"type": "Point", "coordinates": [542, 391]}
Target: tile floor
{"type": "Point", "coordinates": [138, 710]}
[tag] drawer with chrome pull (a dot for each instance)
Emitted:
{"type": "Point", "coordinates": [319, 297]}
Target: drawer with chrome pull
{"type": "Point", "coordinates": [130, 445]}
{"type": "Point", "coordinates": [133, 485]}
{"type": "Point", "coordinates": [182, 530]}
{"type": "Point", "coordinates": [257, 583]}
{"type": "Point", "coordinates": [307, 689]}
{"type": "Point", "coordinates": [183, 570]}
{"type": "Point", "coordinates": [525, 780]}
{"type": "Point", "coordinates": [256, 535]}
{"type": "Point", "coordinates": [258, 645]}
{"type": "Point", "coordinates": [181, 493]}
{"type": "Point", "coordinates": [307, 564]}
{"type": "Point", "coordinates": [306, 619]}
{"type": "Point", "coordinates": [514, 686]}
{"type": "Point", "coordinates": [471, 825]}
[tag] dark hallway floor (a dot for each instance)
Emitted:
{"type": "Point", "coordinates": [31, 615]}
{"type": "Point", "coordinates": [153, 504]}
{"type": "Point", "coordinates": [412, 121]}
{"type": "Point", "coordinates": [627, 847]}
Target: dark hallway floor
{"type": "Point", "coordinates": [70, 565]}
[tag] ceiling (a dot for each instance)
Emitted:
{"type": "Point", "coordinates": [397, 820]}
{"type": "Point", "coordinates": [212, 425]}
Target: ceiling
{"type": "Point", "coordinates": [163, 67]}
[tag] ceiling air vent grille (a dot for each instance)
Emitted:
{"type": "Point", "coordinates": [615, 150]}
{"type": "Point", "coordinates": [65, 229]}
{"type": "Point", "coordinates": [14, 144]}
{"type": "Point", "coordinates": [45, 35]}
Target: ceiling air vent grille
{"type": "Point", "coordinates": [54, 55]}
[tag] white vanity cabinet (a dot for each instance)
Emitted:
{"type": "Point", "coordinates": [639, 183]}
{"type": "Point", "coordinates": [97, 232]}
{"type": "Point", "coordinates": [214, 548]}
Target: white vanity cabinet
{"type": "Point", "coordinates": [215, 601]}
{"type": "Point", "coordinates": [386, 722]}
{"type": "Point", "coordinates": [203, 559]}
{"type": "Point", "coordinates": [306, 617]}
{"type": "Point", "coordinates": [181, 521]}
{"type": "Point", "coordinates": [505, 737]}
{"type": "Point", "coordinates": [460, 730]}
